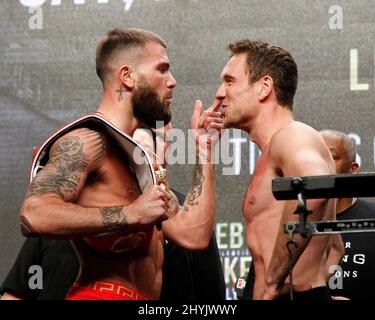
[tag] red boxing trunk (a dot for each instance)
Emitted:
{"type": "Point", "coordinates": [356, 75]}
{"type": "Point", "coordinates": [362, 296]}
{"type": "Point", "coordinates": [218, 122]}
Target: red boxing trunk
{"type": "Point", "coordinates": [104, 290]}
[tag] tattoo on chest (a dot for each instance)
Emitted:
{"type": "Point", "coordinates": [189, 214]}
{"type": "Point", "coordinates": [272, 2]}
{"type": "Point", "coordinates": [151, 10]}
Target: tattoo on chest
{"type": "Point", "coordinates": [196, 188]}
{"type": "Point", "coordinates": [113, 216]}
{"type": "Point", "coordinates": [63, 175]}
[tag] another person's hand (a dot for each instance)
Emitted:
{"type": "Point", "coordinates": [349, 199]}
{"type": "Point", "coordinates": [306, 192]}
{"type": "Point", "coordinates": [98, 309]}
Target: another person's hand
{"type": "Point", "coordinates": [206, 128]}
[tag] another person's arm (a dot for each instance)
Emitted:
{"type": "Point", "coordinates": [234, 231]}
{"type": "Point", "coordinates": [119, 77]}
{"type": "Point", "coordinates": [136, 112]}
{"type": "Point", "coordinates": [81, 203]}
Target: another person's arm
{"type": "Point", "coordinates": [193, 225]}
{"type": "Point", "coordinates": [49, 208]}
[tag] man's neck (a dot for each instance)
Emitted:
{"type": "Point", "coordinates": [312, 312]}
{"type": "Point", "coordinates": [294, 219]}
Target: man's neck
{"type": "Point", "coordinates": [119, 113]}
{"type": "Point", "coordinates": [270, 120]}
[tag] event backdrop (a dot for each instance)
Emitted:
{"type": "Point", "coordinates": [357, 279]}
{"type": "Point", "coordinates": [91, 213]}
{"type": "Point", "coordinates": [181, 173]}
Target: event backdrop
{"type": "Point", "coordinates": [47, 78]}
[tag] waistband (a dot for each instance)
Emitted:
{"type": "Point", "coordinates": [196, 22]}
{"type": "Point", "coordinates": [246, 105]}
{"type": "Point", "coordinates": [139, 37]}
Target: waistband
{"type": "Point", "coordinates": [104, 290]}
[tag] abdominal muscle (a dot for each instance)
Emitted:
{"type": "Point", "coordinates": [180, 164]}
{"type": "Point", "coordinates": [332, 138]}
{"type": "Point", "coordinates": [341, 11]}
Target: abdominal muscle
{"type": "Point", "coordinates": [141, 271]}
{"type": "Point", "coordinates": [139, 268]}
{"type": "Point", "coordinates": [261, 233]}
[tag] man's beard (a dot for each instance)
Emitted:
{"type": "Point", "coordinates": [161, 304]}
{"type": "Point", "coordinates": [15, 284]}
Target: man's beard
{"type": "Point", "coordinates": [149, 108]}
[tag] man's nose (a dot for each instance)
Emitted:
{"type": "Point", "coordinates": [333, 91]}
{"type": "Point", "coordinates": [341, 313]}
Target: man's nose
{"type": "Point", "coordinates": [220, 93]}
{"type": "Point", "coordinates": [171, 82]}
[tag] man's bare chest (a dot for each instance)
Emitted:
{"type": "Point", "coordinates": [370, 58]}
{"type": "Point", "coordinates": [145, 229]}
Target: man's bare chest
{"type": "Point", "coordinates": [259, 197]}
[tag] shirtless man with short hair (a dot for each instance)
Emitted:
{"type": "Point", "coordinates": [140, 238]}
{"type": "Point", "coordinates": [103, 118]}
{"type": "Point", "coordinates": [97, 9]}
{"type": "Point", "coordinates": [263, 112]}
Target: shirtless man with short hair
{"type": "Point", "coordinates": [88, 187]}
{"type": "Point", "coordinates": [257, 89]}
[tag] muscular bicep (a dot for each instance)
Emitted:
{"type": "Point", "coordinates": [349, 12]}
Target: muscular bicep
{"type": "Point", "coordinates": [71, 159]}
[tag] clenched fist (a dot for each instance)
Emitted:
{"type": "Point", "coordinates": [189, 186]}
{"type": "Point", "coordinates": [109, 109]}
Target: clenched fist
{"type": "Point", "coordinates": [150, 207]}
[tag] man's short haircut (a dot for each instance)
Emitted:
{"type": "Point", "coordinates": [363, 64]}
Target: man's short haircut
{"type": "Point", "coordinates": [121, 40]}
{"type": "Point", "coordinates": [350, 144]}
{"type": "Point", "coordinates": [265, 59]}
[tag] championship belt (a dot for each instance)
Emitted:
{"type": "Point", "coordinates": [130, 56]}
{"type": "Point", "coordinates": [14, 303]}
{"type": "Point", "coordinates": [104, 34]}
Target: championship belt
{"type": "Point", "coordinates": [121, 241]}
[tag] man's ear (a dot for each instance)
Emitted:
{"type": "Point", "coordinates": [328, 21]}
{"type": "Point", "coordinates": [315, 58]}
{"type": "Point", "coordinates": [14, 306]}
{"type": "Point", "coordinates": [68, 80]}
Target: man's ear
{"type": "Point", "coordinates": [265, 85]}
{"type": "Point", "coordinates": [127, 76]}
{"type": "Point", "coordinates": [354, 167]}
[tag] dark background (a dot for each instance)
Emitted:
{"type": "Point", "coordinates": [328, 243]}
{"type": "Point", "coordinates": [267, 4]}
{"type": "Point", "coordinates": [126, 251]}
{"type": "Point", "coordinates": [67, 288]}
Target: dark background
{"type": "Point", "coordinates": [47, 76]}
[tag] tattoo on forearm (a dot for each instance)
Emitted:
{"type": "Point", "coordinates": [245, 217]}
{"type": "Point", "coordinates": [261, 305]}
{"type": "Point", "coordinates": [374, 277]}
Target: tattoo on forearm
{"type": "Point", "coordinates": [69, 161]}
{"type": "Point", "coordinates": [26, 227]}
{"type": "Point", "coordinates": [113, 216]}
{"type": "Point", "coordinates": [120, 91]}
{"type": "Point", "coordinates": [196, 188]}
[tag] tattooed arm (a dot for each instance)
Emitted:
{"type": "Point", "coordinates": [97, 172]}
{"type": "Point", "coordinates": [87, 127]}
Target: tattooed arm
{"type": "Point", "coordinates": [192, 226]}
{"type": "Point", "coordinates": [49, 208]}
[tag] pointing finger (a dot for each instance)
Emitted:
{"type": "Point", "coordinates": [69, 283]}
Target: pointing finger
{"type": "Point", "coordinates": [215, 106]}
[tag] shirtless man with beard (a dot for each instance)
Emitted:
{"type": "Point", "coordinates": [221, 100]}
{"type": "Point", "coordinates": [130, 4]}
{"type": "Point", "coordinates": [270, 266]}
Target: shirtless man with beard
{"type": "Point", "coordinates": [257, 89]}
{"type": "Point", "coordinates": [88, 188]}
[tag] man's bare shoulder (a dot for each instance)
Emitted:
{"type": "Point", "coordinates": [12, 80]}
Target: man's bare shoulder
{"type": "Point", "coordinates": [295, 127]}
{"type": "Point", "coordinates": [72, 157]}
{"type": "Point", "coordinates": [80, 145]}
{"type": "Point", "coordinates": [86, 135]}
{"type": "Point", "coordinates": [298, 144]}
{"type": "Point", "coordinates": [296, 135]}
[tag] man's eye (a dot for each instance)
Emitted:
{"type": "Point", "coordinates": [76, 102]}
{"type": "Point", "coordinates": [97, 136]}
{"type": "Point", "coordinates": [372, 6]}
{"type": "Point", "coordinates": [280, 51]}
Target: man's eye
{"type": "Point", "coordinates": [163, 69]}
